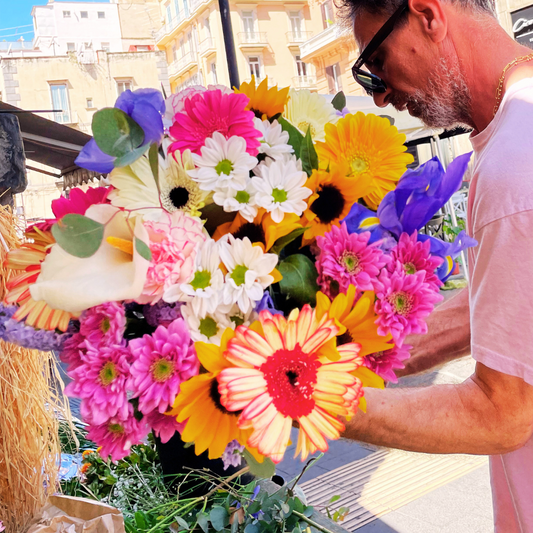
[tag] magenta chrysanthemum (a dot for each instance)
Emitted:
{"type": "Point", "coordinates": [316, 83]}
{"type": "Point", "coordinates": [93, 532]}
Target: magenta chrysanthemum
{"type": "Point", "coordinates": [403, 302]}
{"type": "Point", "coordinates": [347, 259]}
{"type": "Point", "coordinates": [116, 436]}
{"type": "Point", "coordinates": [210, 111]}
{"type": "Point", "coordinates": [73, 351]}
{"type": "Point", "coordinates": [384, 363]}
{"type": "Point", "coordinates": [161, 362]}
{"type": "Point", "coordinates": [164, 426]}
{"type": "Point", "coordinates": [100, 381]}
{"type": "Point", "coordinates": [411, 255]}
{"type": "Point", "coordinates": [104, 324]}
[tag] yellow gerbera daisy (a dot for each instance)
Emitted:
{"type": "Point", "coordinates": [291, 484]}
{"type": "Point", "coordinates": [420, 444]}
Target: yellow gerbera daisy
{"type": "Point", "coordinates": [209, 425]}
{"type": "Point", "coordinates": [371, 147]}
{"type": "Point", "coordinates": [264, 102]}
{"type": "Point", "coordinates": [332, 198]}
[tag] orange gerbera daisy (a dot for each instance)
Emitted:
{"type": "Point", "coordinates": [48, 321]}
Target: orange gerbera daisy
{"type": "Point", "coordinates": [371, 147]}
{"type": "Point", "coordinates": [280, 375]}
{"type": "Point", "coordinates": [264, 102]}
{"type": "Point", "coordinates": [26, 261]}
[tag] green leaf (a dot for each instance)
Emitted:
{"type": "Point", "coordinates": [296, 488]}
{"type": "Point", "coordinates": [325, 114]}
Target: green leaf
{"type": "Point", "coordinates": [334, 498]}
{"type": "Point", "coordinates": [295, 137]}
{"type": "Point", "coordinates": [78, 235]}
{"type": "Point", "coordinates": [182, 523]}
{"type": "Point", "coordinates": [115, 132]}
{"type": "Point", "coordinates": [130, 157]}
{"type": "Point", "coordinates": [308, 154]}
{"type": "Point", "coordinates": [142, 249]}
{"type": "Point", "coordinates": [140, 520]}
{"type": "Point", "coordinates": [339, 101]}
{"type": "Point", "coordinates": [287, 239]}
{"type": "Point", "coordinates": [202, 519]}
{"type": "Point", "coordinates": [264, 470]}
{"type": "Point", "coordinates": [309, 512]}
{"type": "Point", "coordinates": [219, 518]}
{"type": "Point", "coordinates": [299, 279]}
{"type": "Point", "coordinates": [251, 528]}
{"type": "Point", "coordinates": [153, 157]}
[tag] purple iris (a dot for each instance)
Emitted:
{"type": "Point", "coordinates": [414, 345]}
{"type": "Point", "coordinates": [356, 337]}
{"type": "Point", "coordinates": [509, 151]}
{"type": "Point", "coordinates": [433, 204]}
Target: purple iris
{"type": "Point", "coordinates": [146, 107]}
{"type": "Point", "coordinates": [266, 303]}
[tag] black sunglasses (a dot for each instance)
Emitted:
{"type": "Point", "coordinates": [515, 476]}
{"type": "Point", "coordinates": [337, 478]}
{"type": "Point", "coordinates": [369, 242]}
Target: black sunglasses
{"type": "Point", "coordinates": [370, 82]}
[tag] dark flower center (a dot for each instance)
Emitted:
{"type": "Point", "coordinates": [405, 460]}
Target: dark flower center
{"type": "Point", "coordinates": [345, 338]}
{"type": "Point", "coordinates": [215, 396]}
{"type": "Point", "coordinates": [179, 196]}
{"type": "Point", "coordinates": [329, 205]}
{"type": "Point", "coordinates": [258, 113]}
{"type": "Point", "coordinates": [253, 231]}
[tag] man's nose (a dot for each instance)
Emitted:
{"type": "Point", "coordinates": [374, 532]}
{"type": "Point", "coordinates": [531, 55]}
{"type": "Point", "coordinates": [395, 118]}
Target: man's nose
{"type": "Point", "coordinates": [382, 99]}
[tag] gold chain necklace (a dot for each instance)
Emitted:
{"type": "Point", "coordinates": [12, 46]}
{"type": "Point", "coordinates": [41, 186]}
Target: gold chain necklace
{"type": "Point", "coordinates": [499, 89]}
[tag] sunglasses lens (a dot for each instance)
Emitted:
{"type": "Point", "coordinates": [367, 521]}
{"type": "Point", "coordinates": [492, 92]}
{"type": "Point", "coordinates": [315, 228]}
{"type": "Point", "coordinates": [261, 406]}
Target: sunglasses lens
{"type": "Point", "coordinates": [372, 84]}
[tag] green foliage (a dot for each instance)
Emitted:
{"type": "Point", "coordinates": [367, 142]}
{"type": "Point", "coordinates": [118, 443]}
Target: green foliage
{"type": "Point", "coordinates": [130, 157]}
{"type": "Point", "coordinates": [78, 235]}
{"type": "Point", "coordinates": [153, 158]}
{"type": "Point", "coordinates": [116, 133]}
{"type": "Point", "coordinates": [264, 470]}
{"type": "Point", "coordinates": [339, 101]}
{"type": "Point", "coordinates": [450, 230]}
{"type": "Point", "coordinates": [287, 239]}
{"type": "Point", "coordinates": [142, 249]}
{"type": "Point", "coordinates": [295, 137]}
{"type": "Point", "coordinates": [308, 154]}
{"type": "Point", "coordinates": [299, 279]}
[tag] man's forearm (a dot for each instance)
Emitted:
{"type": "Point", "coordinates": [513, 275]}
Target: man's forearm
{"type": "Point", "coordinates": [448, 336]}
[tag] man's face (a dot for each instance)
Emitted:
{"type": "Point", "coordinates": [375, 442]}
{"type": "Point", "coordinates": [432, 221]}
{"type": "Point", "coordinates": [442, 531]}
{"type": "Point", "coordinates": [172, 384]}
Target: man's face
{"type": "Point", "coordinates": [421, 76]}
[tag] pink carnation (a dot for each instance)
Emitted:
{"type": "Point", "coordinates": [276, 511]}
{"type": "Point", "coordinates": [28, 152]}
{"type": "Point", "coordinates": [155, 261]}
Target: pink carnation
{"type": "Point", "coordinates": [100, 381]}
{"type": "Point", "coordinates": [210, 111]}
{"type": "Point", "coordinates": [79, 201]}
{"type": "Point", "coordinates": [174, 241]}
{"type": "Point", "coordinates": [403, 301]}
{"type": "Point", "coordinates": [411, 255]}
{"type": "Point", "coordinates": [104, 324]}
{"type": "Point", "coordinates": [73, 351]}
{"type": "Point", "coordinates": [347, 259]}
{"type": "Point", "coordinates": [116, 436]}
{"type": "Point", "coordinates": [384, 363]}
{"type": "Point", "coordinates": [161, 363]}
{"type": "Point", "coordinates": [164, 426]}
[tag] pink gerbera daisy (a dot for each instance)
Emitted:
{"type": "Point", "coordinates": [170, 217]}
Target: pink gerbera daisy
{"type": "Point", "coordinates": [403, 302]}
{"type": "Point", "coordinates": [164, 426]}
{"type": "Point", "coordinates": [411, 255]}
{"type": "Point", "coordinates": [347, 259]}
{"type": "Point", "coordinates": [116, 436]}
{"type": "Point", "coordinates": [383, 363]}
{"type": "Point", "coordinates": [73, 351]}
{"type": "Point", "coordinates": [100, 381]}
{"type": "Point", "coordinates": [210, 111]}
{"type": "Point", "coordinates": [161, 363]}
{"type": "Point", "coordinates": [104, 324]}
{"type": "Point", "coordinates": [79, 201]}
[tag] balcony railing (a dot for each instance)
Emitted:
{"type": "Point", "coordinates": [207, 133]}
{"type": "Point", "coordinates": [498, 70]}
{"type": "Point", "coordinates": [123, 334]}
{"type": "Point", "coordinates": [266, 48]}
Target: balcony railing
{"type": "Point", "coordinates": [183, 15]}
{"type": "Point", "coordinates": [195, 79]}
{"type": "Point", "coordinates": [207, 45]}
{"type": "Point", "coordinates": [304, 82]}
{"type": "Point", "coordinates": [182, 64]}
{"type": "Point", "coordinates": [297, 37]}
{"type": "Point", "coordinates": [321, 41]}
{"type": "Point", "coordinates": [252, 39]}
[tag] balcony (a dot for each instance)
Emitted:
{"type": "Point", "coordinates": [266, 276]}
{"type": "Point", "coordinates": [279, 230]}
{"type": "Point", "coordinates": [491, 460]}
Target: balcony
{"type": "Point", "coordinates": [182, 65]}
{"type": "Point", "coordinates": [195, 79]}
{"type": "Point", "coordinates": [252, 41]}
{"type": "Point", "coordinates": [320, 43]}
{"type": "Point", "coordinates": [207, 47]}
{"type": "Point", "coordinates": [304, 82]}
{"type": "Point", "coordinates": [296, 38]}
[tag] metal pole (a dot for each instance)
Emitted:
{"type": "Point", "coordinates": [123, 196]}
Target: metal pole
{"type": "Point", "coordinates": [229, 43]}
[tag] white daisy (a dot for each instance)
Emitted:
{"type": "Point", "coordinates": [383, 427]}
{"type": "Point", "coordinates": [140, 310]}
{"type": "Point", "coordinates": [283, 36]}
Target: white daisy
{"type": "Point", "coordinates": [274, 141]}
{"type": "Point", "coordinates": [242, 201]}
{"type": "Point", "coordinates": [223, 163]}
{"type": "Point", "coordinates": [307, 110]}
{"type": "Point", "coordinates": [207, 328]}
{"type": "Point", "coordinates": [280, 189]}
{"type": "Point", "coordinates": [249, 270]}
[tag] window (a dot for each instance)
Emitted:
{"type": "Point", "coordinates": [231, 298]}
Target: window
{"type": "Point", "coordinates": [186, 8]}
{"type": "Point", "coordinates": [174, 53]}
{"type": "Point", "coordinates": [301, 67]}
{"type": "Point", "coordinates": [328, 16]}
{"type": "Point", "coordinates": [66, 14]}
{"type": "Point", "coordinates": [182, 48]}
{"type": "Point", "coordinates": [60, 103]}
{"type": "Point", "coordinates": [190, 43]}
{"type": "Point", "coordinates": [207, 28]}
{"type": "Point", "coordinates": [248, 23]}
{"type": "Point", "coordinates": [177, 9]}
{"type": "Point", "coordinates": [105, 47]}
{"type": "Point", "coordinates": [101, 14]}
{"type": "Point", "coordinates": [214, 78]}
{"type": "Point", "coordinates": [123, 85]}
{"type": "Point", "coordinates": [255, 67]}
{"type": "Point", "coordinates": [143, 48]}
{"type": "Point", "coordinates": [71, 47]}
{"type": "Point", "coordinates": [84, 14]}
{"type": "Point", "coordinates": [296, 24]}
{"type": "Point", "coordinates": [333, 74]}
{"type": "Point", "coordinates": [90, 103]}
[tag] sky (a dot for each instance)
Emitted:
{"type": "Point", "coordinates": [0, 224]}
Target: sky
{"type": "Point", "coordinates": [16, 19]}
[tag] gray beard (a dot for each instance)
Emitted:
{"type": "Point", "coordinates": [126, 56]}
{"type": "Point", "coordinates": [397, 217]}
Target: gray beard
{"type": "Point", "coordinates": [446, 103]}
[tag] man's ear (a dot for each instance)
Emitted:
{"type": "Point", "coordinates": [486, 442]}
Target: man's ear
{"type": "Point", "coordinates": [432, 18]}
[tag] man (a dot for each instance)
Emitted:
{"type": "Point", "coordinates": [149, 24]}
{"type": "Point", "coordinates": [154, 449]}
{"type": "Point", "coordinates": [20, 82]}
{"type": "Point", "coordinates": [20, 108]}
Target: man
{"type": "Point", "coordinates": [451, 63]}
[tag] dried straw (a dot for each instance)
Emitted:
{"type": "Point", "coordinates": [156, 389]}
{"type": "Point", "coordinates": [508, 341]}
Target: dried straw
{"type": "Point", "coordinates": [30, 402]}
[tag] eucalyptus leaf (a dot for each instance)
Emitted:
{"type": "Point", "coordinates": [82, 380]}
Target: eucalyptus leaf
{"type": "Point", "coordinates": [295, 137]}
{"type": "Point", "coordinates": [251, 528]}
{"type": "Point", "coordinates": [287, 239]}
{"type": "Point", "coordinates": [78, 235]}
{"type": "Point", "coordinates": [219, 518]}
{"type": "Point", "coordinates": [203, 522]}
{"type": "Point", "coordinates": [308, 154]}
{"type": "Point", "coordinates": [299, 279]}
{"type": "Point", "coordinates": [308, 512]}
{"type": "Point", "coordinates": [339, 101]}
{"type": "Point", "coordinates": [143, 249]}
{"type": "Point", "coordinates": [130, 157]}
{"type": "Point", "coordinates": [264, 470]}
{"type": "Point", "coordinates": [153, 157]}
{"type": "Point", "coordinates": [115, 132]}
{"type": "Point", "coordinates": [334, 498]}
{"type": "Point", "coordinates": [182, 523]}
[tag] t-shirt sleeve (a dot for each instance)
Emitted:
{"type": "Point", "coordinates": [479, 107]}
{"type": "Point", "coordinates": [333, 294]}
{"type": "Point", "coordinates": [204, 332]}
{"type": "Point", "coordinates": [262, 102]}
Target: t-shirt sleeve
{"type": "Point", "coordinates": [501, 296]}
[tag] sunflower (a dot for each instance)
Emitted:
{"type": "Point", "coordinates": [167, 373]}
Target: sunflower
{"type": "Point", "coordinates": [332, 198]}
{"type": "Point", "coordinates": [264, 102]}
{"type": "Point", "coordinates": [208, 424]}
{"type": "Point", "coordinates": [263, 231]}
{"type": "Point", "coordinates": [26, 260]}
{"type": "Point", "coordinates": [371, 147]}
{"type": "Point", "coordinates": [281, 376]}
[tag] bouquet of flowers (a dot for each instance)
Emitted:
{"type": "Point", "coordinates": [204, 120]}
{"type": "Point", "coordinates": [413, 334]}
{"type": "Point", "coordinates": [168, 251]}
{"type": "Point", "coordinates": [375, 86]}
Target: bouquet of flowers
{"type": "Point", "coordinates": [254, 262]}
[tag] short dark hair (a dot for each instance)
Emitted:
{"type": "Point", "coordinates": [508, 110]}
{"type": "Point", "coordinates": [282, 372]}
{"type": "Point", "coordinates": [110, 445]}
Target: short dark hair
{"type": "Point", "coordinates": [348, 10]}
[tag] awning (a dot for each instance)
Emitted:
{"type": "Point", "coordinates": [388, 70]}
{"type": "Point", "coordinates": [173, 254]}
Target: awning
{"type": "Point", "coordinates": [52, 144]}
